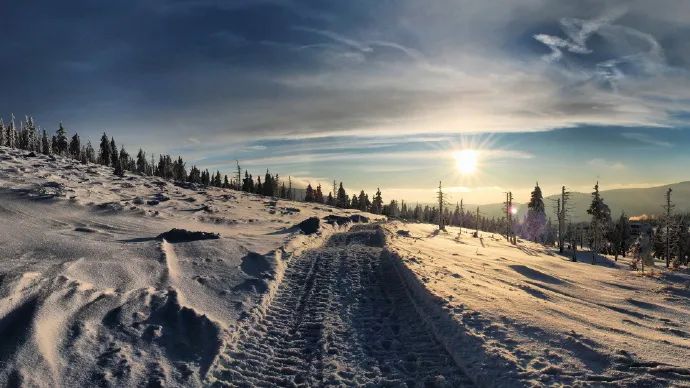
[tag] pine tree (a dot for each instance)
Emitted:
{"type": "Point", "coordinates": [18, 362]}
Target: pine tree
{"type": "Point", "coordinates": [535, 220]}
{"type": "Point", "coordinates": [309, 194]}
{"type": "Point", "coordinates": [141, 162]}
{"type": "Point", "coordinates": [2, 132]}
{"type": "Point", "coordinates": [226, 184]}
{"type": "Point", "coordinates": [11, 138]}
{"type": "Point", "coordinates": [342, 201]}
{"type": "Point", "coordinates": [362, 201]}
{"type": "Point", "coordinates": [330, 200]}
{"type": "Point", "coordinates": [259, 187]}
{"type": "Point", "coordinates": [354, 203]}
{"type": "Point", "coordinates": [124, 159]}
{"type": "Point", "coordinates": [90, 153]}
{"type": "Point", "coordinates": [117, 165]}
{"type": "Point", "coordinates": [75, 146]}
{"type": "Point", "coordinates": [620, 236]}
{"type": "Point", "coordinates": [194, 175]}
{"type": "Point", "coordinates": [601, 218]}
{"type": "Point", "coordinates": [267, 188]}
{"type": "Point", "coordinates": [114, 157]}
{"type": "Point", "coordinates": [61, 141]}
{"type": "Point", "coordinates": [45, 144]}
{"type": "Point", "coordinates": [318, 195]}
{"type": "Point", "coordinates": [104, 151]}
{"type": "Point", "coordinates": [377, 202]}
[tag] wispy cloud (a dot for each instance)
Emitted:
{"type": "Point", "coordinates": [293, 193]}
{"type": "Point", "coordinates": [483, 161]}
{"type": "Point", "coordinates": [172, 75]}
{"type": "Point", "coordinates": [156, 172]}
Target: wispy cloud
{"type": "Point", "coordinates": [647, 139]}
{"type": "Point", "coordinates": [600, 163]}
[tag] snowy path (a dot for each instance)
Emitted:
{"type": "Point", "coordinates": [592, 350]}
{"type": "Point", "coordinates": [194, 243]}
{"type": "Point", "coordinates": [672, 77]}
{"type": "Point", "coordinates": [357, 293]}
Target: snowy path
{"type": "Point", "coordinates": [341, 317]}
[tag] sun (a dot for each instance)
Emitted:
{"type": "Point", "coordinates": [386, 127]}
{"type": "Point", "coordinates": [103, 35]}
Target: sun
{"type": "Point", "coordinates": [466, 161]}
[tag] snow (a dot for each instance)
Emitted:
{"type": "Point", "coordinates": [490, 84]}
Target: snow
{"type": "Point", "coordinates": [523, 313]}
{"type": "Point", "coordinates": [90, 296]}
{"type": "Point", "coordinates": [96, 288]}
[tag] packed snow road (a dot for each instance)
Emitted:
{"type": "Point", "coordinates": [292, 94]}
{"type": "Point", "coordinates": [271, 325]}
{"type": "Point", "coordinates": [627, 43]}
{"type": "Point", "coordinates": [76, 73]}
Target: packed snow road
{"type": "Point", "coordinates": [341, 316]}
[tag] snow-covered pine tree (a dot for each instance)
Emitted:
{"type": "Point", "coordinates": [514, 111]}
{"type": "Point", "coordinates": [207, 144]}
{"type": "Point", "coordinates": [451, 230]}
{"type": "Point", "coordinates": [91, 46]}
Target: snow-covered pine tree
{"type": "Point", "coordinates": [117, 165]}
{"type": "Point", "coordinates": [601, 219]}
{"type": "Point", "coordinates": [114, 156]}
{"type": "Point", "coordinates": [75, 147]}
{"type": "Point", "coordinates": [61, 144]}
{"type": "Point", "coordinates": [141, 162]}
{"type": "Point", "coordinates": [45, 144]}
{"type": "Point", "coordinates": [620, 236]}
{"type": "Point", "coordinates": [90, 153]}
{"type": "Point", "coordinates": [2, 132]}
{"type": "Point", "coordinates": [104, 151]}
{"type": "Point", "coordinates": [535, 221]}
{"type": "Point", "coordinates": [11, 138]}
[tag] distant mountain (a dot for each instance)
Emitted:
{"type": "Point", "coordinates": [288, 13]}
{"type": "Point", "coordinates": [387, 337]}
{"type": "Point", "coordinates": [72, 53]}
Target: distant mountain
{"type": "Point", "coordinates": [634, 202]}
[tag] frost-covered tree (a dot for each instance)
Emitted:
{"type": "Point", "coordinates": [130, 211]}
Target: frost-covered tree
{"type": "Point", "coordinates": [104, 151]}
{"type": "Point", "coordinates": [117, 165]}
{"type": "Point", "coordinates": [2, 132]}
{"type": "Point", "coordinates": [535, 221]}
{"type": "Point", "coordinates": [61, 144]}
{"type": "Point", "coordinates": [45, 144]}
{"type": "Point", "coordinates": [11, 134]}
{"type": "Point", "coordinates": [620, 236]}
{"type": "Point", "coordinates": [141, 162]}
{"type": "Point", "coordinates": [601, 219]}
{"type": "Point", "coordinates": [89, 153]}
{"type": "Point", "coordinates": [75, 146]}
{"type": "Point", "coordinates": [114, 156]}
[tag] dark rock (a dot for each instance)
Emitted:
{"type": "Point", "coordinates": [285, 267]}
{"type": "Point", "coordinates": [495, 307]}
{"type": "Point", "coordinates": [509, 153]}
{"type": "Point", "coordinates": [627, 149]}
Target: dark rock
{"type": "Point", "coordinates": [336, 220]}
{"type": "Point", "coordinates": [31, 154]}
{"type": "Point", "coordinates": [403, 233]}
{"type": "Point", "coordinates": [138, 201]}
{"type": "Point", "coordinates": [358, 218]}
{"type": "Point", "coordinates": [181, 235]}
{"type": "Point", "coordinates": [310, 225]}
{"type": "Point", "coordinates": [152, 202]}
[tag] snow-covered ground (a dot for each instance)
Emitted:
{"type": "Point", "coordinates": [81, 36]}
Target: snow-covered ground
{"type": "Point", "coordinates": [523, 315]}
{"type": "Point", "coordinates": [91, 294]}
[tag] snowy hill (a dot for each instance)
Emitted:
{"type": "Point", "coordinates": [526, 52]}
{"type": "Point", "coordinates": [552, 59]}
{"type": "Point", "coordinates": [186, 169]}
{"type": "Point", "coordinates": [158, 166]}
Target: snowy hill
{"type": "Point", "coordinates": [138, 281]}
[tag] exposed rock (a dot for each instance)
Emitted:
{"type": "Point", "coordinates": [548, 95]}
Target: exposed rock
{"type": "Point", "coordinates": [182, 235]}
{"type": "Point", "coordinates": [310, 225]}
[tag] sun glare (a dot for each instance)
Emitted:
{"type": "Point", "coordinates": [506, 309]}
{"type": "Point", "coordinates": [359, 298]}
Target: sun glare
{"type": "Point", "coordinates": [466, 161]}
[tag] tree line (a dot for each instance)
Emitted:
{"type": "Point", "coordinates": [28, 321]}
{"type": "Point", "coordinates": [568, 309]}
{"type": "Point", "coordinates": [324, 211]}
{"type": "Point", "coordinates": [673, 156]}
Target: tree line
{"type": "Point", "coordinates": [27, 136]}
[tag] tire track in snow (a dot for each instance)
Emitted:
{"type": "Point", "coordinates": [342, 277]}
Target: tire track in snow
{"type": "Point", "coordinates": [341, 316]}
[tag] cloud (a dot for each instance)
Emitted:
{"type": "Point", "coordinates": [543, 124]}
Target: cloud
{"type": "Point", "coordinates": [647, 139]}
{"type": "Point", "coordinates": [599, 164]}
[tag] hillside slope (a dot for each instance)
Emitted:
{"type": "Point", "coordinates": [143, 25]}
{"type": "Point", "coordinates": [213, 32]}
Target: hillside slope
{"type": "Point", "coordinates": [521, 315]}
{"type": "Point", "coordinates": [93, 292]}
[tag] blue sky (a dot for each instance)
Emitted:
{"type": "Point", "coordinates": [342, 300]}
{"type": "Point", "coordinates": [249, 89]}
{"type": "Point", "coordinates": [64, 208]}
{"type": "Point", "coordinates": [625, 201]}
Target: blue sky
{"type": "Point", "coordinates": [374, 93]}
